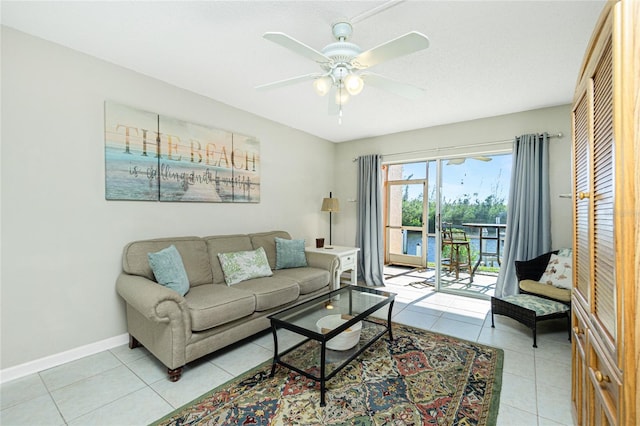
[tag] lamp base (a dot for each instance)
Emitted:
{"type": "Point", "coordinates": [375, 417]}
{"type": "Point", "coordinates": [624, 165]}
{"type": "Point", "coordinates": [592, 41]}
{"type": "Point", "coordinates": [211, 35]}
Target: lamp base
{"type": "Point", "coordinates": [328, 247]}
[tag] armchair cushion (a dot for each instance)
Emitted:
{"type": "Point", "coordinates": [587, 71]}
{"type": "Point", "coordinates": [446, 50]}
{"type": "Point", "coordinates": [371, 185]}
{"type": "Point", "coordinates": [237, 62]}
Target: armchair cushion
{"type": "Point", "coordinates": [544, 290]}
{"type": "Point", "coordinates": [558, 272]}
{"type": "Point", "coordinates": [168, 269]}
{"type": "Point", "coordinates": [541, 306]}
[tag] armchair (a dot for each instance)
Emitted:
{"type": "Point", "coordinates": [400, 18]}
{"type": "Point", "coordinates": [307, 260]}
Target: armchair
{"type": "Point", "coordinates": [537, 301]}
{"type": "Point", "coordinates": [529, 273]}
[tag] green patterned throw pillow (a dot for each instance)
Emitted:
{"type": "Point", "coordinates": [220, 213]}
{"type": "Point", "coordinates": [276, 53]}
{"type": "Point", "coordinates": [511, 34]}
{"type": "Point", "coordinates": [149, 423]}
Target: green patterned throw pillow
{"type": "Point", "coordinates": [290, 253]}
{"type": "Point", "coordinates": [244, 265]}
{"type": "Point", "coordinates": [169, 270]}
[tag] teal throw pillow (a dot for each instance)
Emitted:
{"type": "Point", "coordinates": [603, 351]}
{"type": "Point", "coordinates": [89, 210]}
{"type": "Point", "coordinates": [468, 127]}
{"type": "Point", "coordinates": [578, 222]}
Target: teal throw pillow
{"type": "Point", "coordinates": [169, 270]}
{"type": "Point", "coordinates": [290, 253]}
{"type": "Point", "coordinates": [244, 265]}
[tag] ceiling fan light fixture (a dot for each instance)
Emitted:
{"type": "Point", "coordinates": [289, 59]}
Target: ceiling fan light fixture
{"type": "Point", "coordinates": [322, 85]}
{"type": "Point", "coordinates": [354, 84]}
{"type": "Point", "coordinates": [342, 97]}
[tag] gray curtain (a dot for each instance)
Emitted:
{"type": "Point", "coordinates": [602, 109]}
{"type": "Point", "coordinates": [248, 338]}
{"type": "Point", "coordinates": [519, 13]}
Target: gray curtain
{"type": "Point", "coordinates": [528, 219]}
{"type": "Point", "coordinates": [370, 226]}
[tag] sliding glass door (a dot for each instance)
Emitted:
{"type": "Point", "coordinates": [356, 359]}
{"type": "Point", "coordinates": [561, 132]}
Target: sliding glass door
{"type": "Point", "coordinates": [472, 207]}
{"type": "Point", "coordinates": [406, 211]}
{"type": "Point", "coordinates": [446, 219]}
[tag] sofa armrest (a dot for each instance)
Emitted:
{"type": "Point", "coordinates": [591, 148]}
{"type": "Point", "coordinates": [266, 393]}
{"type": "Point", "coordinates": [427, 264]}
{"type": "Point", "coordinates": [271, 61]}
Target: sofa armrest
{"type": "Point", "coordinates": [534, 268]}
{"type": "Point", "coordinates": [155, 302]}
{"type": "Point", "coordinates": [326, 261]}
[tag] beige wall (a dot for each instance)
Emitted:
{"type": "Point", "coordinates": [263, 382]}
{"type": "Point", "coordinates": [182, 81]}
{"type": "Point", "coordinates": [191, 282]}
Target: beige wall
{"type": "Point", "coordinates": [442, 141]}
{"type": "Point", "coordinates": [62, 241]}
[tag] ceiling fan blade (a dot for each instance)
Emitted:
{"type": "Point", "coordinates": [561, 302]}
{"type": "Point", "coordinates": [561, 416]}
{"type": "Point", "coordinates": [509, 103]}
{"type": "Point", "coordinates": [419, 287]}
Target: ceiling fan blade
{"type": "Point", "coordinates": [403, 45]}
{"type": "Point", "coordinates": [403, 89]}
{"type": "Point", "coordinates": [455, 161]}
{"type": "Point", "coordinates": [296, 46]}
{"type": "Point", "coordinates": [288, 81]}
{"type": "Point", "coordinates": [333, 108]}
{"type": "Point", "coordinates": [482, 158]}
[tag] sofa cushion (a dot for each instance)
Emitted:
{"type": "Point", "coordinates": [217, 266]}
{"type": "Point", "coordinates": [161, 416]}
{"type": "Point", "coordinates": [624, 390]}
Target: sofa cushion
{"type": "Point", "coordinates": [267, 240]}
{"type": "Point", "coordinates": [193, 251]}
{"type": "Point", "coordinates": [309, 279]}
{"type": "Point", "coordinates": [290, 253]}
{"type": "Point", "coordinates": [168, 269]}
{"type": "Point", "coordinates": [225, 244]}
{"type": "Point", "coordinates": [211, 305]}
{"type": "Point", "coordinates": [271, 292]}
{"type": "Point", "coordinates": [244, 265]}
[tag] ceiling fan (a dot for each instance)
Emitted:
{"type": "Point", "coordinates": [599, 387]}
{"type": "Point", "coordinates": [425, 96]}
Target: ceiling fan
{"type": "Point", "coordinates": [345, 66]}
{"type": "Point", "coordinates": [458, 161]}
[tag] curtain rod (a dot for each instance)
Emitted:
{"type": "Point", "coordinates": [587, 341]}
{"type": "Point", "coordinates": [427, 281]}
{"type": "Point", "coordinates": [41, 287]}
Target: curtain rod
{"type": "Point", "coordinates": [421, 151]}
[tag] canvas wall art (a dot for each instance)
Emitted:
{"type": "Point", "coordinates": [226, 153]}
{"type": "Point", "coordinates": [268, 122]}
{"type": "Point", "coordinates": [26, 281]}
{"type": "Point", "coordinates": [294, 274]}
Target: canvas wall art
{"type": "Point", "coordinates": [159, 158]}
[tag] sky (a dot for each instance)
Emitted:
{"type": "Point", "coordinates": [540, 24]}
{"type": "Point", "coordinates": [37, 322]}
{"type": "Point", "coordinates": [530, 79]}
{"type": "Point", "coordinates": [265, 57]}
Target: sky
{"type": "Point", "coordinates": [473, 176]}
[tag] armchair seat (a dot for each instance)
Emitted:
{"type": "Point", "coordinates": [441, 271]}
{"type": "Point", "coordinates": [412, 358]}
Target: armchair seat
{"type": "Point", "coordinates": [543, 290]}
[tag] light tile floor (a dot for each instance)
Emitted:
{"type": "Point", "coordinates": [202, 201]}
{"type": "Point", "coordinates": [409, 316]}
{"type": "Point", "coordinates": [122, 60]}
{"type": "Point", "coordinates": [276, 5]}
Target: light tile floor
{"type": "Point", "coordinates": [129, 387]}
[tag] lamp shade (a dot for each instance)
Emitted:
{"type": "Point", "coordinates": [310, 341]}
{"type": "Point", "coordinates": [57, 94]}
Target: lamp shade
{"type": "Point", "coordinates": [322, 85]}
{"type": "Point", "coordinates": [330, 205]}
{"type": "Point", "coordinates": [354, 84]}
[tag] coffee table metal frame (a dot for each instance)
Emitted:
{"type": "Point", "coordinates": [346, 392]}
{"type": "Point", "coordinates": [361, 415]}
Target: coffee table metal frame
{"type": "Point", "coordinates": [277, 321]}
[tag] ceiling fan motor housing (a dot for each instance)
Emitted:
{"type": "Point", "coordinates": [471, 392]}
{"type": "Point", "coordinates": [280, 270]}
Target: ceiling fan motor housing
{"type": "Point", "coordinates": [342, 30]}
{"type": "Point", "coordinates": [342, 52]}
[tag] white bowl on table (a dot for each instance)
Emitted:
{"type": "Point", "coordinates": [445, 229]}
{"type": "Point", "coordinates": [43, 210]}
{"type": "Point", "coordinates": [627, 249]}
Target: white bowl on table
{"type": "Point", "coordinates": [343, 341]}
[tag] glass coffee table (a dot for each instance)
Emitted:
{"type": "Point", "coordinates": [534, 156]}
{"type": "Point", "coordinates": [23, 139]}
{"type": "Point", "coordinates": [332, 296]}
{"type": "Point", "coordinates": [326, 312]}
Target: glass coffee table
{"type": "Point", "coordinates": [338, 327]}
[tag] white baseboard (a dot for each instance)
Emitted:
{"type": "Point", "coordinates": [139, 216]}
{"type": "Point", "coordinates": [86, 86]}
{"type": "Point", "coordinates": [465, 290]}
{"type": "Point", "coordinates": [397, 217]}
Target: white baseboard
{"type": "Point", "coordinates": [50, 361]}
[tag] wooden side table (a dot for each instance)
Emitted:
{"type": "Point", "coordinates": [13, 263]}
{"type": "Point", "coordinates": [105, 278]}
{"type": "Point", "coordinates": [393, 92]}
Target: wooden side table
{"type": "Point", "coordinates": [348, 257]}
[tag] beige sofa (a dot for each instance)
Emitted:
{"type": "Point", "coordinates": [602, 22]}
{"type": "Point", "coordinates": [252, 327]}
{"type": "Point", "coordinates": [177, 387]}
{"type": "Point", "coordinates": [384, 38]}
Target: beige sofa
{"type": "Point", "coordinates": [211, 315]}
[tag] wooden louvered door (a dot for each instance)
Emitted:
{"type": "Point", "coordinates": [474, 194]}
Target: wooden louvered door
{"type": "Point", "coordinates": [581, 251]}
{"type": "Point", "coordinates": [605, 318]}
{"type": "Point", "coordinates": [605, 378]}
{"type": "Point", "coordinates": [582, 182]}
{"type": "Point", "coordinates": [602, 193]}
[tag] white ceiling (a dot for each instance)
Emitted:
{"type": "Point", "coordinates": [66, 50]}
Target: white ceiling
{"type": "Point", "coordinates": [486, 57]}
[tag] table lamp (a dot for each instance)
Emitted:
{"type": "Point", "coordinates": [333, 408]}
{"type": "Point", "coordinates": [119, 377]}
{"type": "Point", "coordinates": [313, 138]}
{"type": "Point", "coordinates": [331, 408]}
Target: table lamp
{"type": "Point", "coordinates": [330, 205]}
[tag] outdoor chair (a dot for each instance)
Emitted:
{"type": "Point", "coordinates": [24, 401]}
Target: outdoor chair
{"type": "Point", "coordinates": [455, 242]}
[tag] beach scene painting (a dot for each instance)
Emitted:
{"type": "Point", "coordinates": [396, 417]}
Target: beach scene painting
{"type": "Point", "coordinates": [131, 154]}
{"type": "Point", "coordinates": [186, 161]}
{"type": "Point", "coordinates": [246, 177]}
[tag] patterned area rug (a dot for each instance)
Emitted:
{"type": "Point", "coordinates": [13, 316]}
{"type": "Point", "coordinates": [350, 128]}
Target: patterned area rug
{"type": "Point", "coordinates": [419, 378]}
